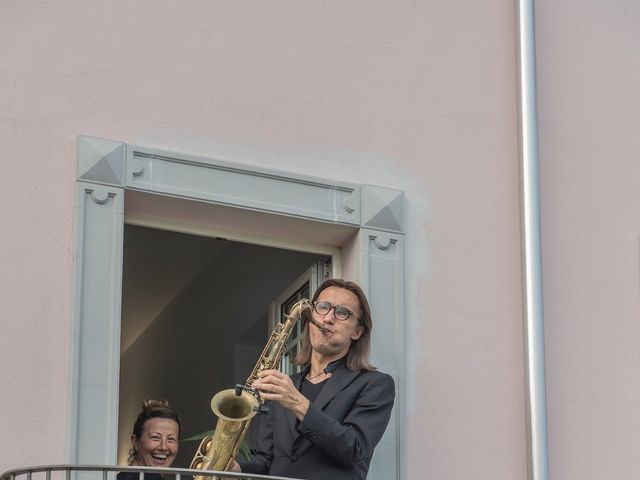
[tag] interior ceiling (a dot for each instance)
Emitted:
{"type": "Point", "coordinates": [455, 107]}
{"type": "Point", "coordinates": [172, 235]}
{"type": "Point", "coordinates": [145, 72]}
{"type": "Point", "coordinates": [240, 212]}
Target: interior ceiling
{"type": "Point", "coordinates": [159, 265]}
{"type": "Point", "coordinates": [184, 237]}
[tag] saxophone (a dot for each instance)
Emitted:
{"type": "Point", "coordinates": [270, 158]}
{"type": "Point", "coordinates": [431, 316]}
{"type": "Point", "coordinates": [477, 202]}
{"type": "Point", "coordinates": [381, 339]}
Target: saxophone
{"type": "Point", "coordinates": [235, 408]}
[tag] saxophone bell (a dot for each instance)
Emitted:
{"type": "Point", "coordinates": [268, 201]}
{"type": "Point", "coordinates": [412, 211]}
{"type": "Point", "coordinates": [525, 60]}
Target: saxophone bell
{"type": "Point", "coordinates": [236, 407]}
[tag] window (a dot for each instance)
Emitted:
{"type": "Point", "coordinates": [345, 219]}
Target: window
{"type": "Point", "coordinates": [361, 223]}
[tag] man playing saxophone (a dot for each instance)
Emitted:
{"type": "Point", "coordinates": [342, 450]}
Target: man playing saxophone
{"type": "Point", "coordinates": [324, 422]}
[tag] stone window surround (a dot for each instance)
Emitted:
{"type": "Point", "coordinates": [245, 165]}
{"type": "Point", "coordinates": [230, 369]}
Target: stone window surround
{"type": "Point", "coordinates": [108, 171]}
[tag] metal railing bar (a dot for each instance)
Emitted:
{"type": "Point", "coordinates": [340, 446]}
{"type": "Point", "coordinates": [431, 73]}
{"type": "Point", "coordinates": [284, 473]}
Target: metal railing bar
{"type": "Point", "coordinates": [105, 469]}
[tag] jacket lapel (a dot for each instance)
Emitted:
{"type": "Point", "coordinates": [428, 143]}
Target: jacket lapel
{"type": "Point", "coordinates": [339, 379]}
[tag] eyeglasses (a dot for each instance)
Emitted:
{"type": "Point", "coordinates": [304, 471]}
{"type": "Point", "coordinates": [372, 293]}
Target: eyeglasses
{"type": "Point", "coordinates": [340, 312]}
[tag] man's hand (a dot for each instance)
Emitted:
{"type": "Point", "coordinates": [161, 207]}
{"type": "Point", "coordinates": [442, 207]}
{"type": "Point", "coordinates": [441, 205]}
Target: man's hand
{"type": "Point", "coordinates": [275, 385]}
{"type": "Point", "coordinates": [234, 466]}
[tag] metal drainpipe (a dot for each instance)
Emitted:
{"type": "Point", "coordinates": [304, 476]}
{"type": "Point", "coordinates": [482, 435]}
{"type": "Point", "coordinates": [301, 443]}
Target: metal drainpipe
{"type": "Point", "coordinates": [536, 406]}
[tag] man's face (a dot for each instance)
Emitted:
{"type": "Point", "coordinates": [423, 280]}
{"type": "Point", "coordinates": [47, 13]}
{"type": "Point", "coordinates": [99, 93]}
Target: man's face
{"type": "Point", "coordinates": [336, 342]}
{"type": "Point", "coordinates": [158, 444]}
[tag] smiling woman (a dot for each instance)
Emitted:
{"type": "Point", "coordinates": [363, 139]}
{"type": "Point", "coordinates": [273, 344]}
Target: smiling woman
{"type": "Point", "coordinates": [154, 438]}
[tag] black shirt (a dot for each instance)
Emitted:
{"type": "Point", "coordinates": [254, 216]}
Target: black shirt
{"type": "Point", "coordinates": [312, 390]}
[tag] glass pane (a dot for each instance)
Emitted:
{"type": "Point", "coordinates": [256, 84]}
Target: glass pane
{"type": "Point", "coordinates": [286, 365]}
{"type": "Point", "coordinates": [302, 292]}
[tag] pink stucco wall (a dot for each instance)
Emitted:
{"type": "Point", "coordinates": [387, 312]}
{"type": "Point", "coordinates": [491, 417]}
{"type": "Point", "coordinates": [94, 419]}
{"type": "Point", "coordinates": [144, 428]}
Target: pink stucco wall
{"type": "Point", "coordinates": [589, 84]}
{"type": "Point", "coordinates": [414, 95]}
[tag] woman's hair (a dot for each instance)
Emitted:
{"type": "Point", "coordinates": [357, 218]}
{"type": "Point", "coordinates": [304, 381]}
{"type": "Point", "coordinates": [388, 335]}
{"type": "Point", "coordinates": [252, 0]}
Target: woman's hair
{"type": "Point", "coordinates": [358, 354]}
{"type": "Point", "coordinates": [152, 408]}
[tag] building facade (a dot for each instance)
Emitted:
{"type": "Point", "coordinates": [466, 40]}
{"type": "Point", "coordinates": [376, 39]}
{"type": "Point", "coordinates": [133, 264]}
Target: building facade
{"type": "Point", "coordinates": [404, 100]}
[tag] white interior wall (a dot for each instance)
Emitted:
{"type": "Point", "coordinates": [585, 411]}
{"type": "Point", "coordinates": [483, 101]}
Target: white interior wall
{"type": "Point", "coordinates": [156, 268]}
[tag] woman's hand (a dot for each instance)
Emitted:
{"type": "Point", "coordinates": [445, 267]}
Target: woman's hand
{"type": "Point", "coordinates": [275, 385]}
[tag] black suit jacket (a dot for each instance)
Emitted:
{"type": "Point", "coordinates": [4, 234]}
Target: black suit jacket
{"type": "Point", "coordinates": [336, 438]}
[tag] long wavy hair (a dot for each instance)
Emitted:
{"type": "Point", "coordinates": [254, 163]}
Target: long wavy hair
{"type": "Point", "coordinates": [358, 353]}
{"type": "Point", "coordinates": [152, 408]}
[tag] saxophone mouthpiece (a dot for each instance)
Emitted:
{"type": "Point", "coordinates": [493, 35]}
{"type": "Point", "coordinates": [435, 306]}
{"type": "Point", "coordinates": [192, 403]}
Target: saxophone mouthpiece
{"type": "Point", "coordinates": [319, 325]}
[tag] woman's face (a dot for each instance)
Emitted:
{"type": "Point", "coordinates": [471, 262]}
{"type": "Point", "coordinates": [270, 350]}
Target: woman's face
{"type": "Point", "coordinates": [158, 444]}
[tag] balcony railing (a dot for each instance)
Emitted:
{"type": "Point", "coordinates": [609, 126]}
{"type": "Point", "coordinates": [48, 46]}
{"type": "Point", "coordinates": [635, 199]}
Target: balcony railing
{"type": "Point", "coordinates": [109, 472]}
